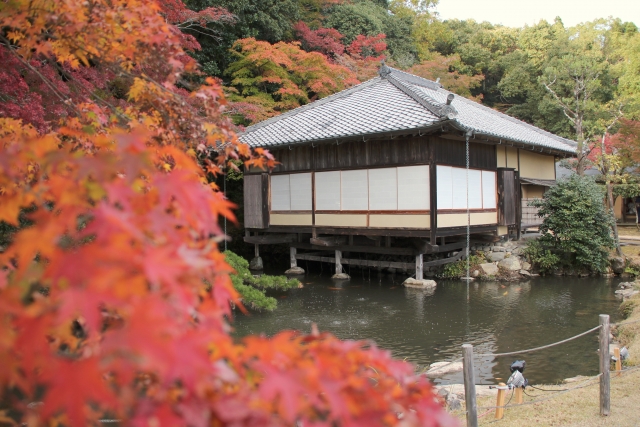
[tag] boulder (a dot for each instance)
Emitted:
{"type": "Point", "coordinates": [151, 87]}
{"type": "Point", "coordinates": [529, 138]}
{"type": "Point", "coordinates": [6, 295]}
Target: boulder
{"type": "Point", "coordinates": [511, 263]}
{"type": "Point", "coordinates": [439, 369]}
{"type": "Point", "coordinates": [489, 269]}
{"type": "Point", "coordinates": [526, 266]}
{"type": "Point", "coordinates": [499, 249]}
{"type": "Point", "coordinates": [294, 271]}
{"type": "Point", "coordinates": [457, 391]}
{"type": "Point", "coordinates": [419, 284]}
{"type": "Point", "coordinates": [626, 293]}
{"type": "Point", "coordinates": [525, 273]}
{"type": "Point", "coordinates": [256, 264]}
{"type": "Point", "coordinates": [495, 256]}
{"type": "Point", "coordinates": [626, 285]}
{"type": "Point", "coordinates": [341, 276]}
{"type": "Point", "coordinates": [617, 264]}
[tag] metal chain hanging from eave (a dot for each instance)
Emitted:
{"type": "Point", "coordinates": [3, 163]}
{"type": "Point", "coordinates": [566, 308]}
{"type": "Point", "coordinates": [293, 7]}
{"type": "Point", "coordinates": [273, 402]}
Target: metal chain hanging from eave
{"type": "Point", "coordinates": [468, 276]}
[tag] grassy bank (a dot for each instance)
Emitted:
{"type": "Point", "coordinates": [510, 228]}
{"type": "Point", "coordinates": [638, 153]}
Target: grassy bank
{"type": "Point", "coordinates": [580, 406]}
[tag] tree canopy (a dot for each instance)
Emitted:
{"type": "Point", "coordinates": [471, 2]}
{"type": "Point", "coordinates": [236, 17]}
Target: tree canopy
{"type": "Point", "coordinates": [114, 296]}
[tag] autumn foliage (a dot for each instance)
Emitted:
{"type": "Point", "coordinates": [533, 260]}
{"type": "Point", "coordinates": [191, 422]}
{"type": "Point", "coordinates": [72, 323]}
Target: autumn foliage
{"type": "Point", "coordinates": [114, 297]}
{"type": "Point", "coordinates": [279, 77]}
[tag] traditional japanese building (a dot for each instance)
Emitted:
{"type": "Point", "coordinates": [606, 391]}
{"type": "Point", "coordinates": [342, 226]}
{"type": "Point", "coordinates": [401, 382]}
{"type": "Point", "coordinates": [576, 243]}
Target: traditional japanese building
{"type": "Point", "coordinates": [398, 166]}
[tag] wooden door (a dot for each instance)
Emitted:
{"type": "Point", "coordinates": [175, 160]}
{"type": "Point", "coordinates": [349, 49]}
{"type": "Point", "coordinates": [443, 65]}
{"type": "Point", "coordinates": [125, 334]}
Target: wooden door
{"type": "Point", "coordinates": [256, 201]}
{"type": "Point", "coordinates": [508, 197]}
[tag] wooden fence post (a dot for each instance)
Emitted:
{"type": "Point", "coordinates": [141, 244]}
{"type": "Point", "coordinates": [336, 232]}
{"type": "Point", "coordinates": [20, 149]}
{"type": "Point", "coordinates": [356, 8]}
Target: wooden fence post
{"type": "Point", "coordinates": [605, 360]}
{"type": "Point", "coordinates": [616, 353]}
{"type": "Point", "coordinates": [469, 386]}
{"type": "Point", "coordinates": [500, 401]}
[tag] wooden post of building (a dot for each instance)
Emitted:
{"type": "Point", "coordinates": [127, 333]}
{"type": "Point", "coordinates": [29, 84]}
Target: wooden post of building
{"type": "Point", "coordinates": [419, 267]}
{"type": "Point", "coordinates": [605, 360]}
{"type": "Point", "coordinates": [350, 239]}
{"type": "Point", "coordinates": [616, 353]}
{"type": "Point", "coordinates": [500, 401]}
{"type": "Point", "coordinates": [469, 385]}
{"type": "Point", "coordinates": [387, 241]}
{"type": "Point", "coordinates": [292, 257]}
{"type": "Point", "coordinates": [519, 397]}
{"type": "Point", "coordinates": [338, 262]}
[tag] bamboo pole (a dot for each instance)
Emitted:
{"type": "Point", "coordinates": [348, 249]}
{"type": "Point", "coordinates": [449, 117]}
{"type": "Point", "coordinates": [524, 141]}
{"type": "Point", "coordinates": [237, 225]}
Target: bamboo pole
{"type": "Point", "coordinates": [500, 401]}
{"type": "Point", "coordinates": [519, 396]}
{"type": "Point", "coordinates": [605, 366]}
{"type": "Point", "coordinates": [469, 386]}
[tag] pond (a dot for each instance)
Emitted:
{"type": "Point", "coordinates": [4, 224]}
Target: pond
{"type": "Point", "coordinates": [426, 327]}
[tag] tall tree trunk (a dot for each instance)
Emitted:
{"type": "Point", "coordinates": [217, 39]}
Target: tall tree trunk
{"type": "Point", "coordinates": [610, 205]}
{"type": "Point", "coordinates": [614, 227]}
{"type": "Point", "coordinates": [580, 151]}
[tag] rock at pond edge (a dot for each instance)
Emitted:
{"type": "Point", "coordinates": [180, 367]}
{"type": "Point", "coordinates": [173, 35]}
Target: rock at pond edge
{"type": "Point", "coordinates": [420, 284]}
{"type": "Point", "coordinates": [512, 264]}
{"type": "Point", "coordinates": [294, 271]}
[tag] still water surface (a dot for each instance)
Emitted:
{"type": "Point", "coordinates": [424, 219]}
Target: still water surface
{"type": "Point", "coordinates": [426, 327]}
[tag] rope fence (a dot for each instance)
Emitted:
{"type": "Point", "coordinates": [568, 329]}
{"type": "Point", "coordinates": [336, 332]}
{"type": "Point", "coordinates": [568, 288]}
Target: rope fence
{"type": "Point", "coordinates": [512, 353]}
{"type": "Point", "coordinates": [603, 378]}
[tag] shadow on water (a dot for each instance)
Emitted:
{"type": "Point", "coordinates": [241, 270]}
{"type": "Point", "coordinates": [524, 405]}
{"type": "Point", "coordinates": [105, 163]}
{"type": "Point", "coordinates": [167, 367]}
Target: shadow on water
{"type": "Point", "coordinates": [425, 327]}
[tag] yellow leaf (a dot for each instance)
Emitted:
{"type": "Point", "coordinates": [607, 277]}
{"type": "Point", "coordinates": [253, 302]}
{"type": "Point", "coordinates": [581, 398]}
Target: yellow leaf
{"type": "Point", "coordinates": [14, 36]}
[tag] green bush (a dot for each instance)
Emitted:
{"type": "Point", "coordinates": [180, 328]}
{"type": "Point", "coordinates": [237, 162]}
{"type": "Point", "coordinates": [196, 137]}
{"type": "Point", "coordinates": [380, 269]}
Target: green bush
{"type": "Point", "coordinates": [253, 289]}
{"type": "Point", "coordinates": [538, 255]}
{"type": "Point", "coordinates": [577, 227]}
{"type": "Point", "coordinates": [632, 269]}
{"type": "Point", "coordinates": [459, 268]}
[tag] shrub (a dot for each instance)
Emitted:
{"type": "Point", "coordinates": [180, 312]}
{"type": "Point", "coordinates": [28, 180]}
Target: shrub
{"type": "Point", "coordinates": [459, 268]}
{"type": "Point", "coordinates": [251, 288]}
{"type": "Point", "coordinates": [538, 255]}
{"type": "Point", "coordinates": [627, 307]}
{"type": "Point", "coordinates": [576, 225]}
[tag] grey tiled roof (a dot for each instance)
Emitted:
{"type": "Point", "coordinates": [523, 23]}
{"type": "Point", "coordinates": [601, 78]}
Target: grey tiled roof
{"type": "Point", "coordinates": [394, 102]}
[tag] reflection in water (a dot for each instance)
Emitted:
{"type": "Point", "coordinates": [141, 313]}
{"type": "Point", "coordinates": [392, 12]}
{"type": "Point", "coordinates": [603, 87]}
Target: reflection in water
{"type": "Point", "coordinates": [430, 326]}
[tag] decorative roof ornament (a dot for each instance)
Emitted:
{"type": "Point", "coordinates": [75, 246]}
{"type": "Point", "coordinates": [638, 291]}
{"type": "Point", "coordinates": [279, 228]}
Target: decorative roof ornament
{"type": "Point", "coordinates": [448, 110]}
{"type": "Point", "coordinates": [384, 71]}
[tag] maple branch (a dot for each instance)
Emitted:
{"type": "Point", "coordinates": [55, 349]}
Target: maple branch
{"type": "Point", "coordinates": [94, 94]}
{"type": "Point", "coordinates": [65, 100]}
{"type": "Point", "coordinates": [564, 106]}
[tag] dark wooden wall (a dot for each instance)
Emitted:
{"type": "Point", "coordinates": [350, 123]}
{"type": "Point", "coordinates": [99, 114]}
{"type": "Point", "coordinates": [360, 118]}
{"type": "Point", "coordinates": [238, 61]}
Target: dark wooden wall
{"type": "Point", "coordinates": [377, 153]}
